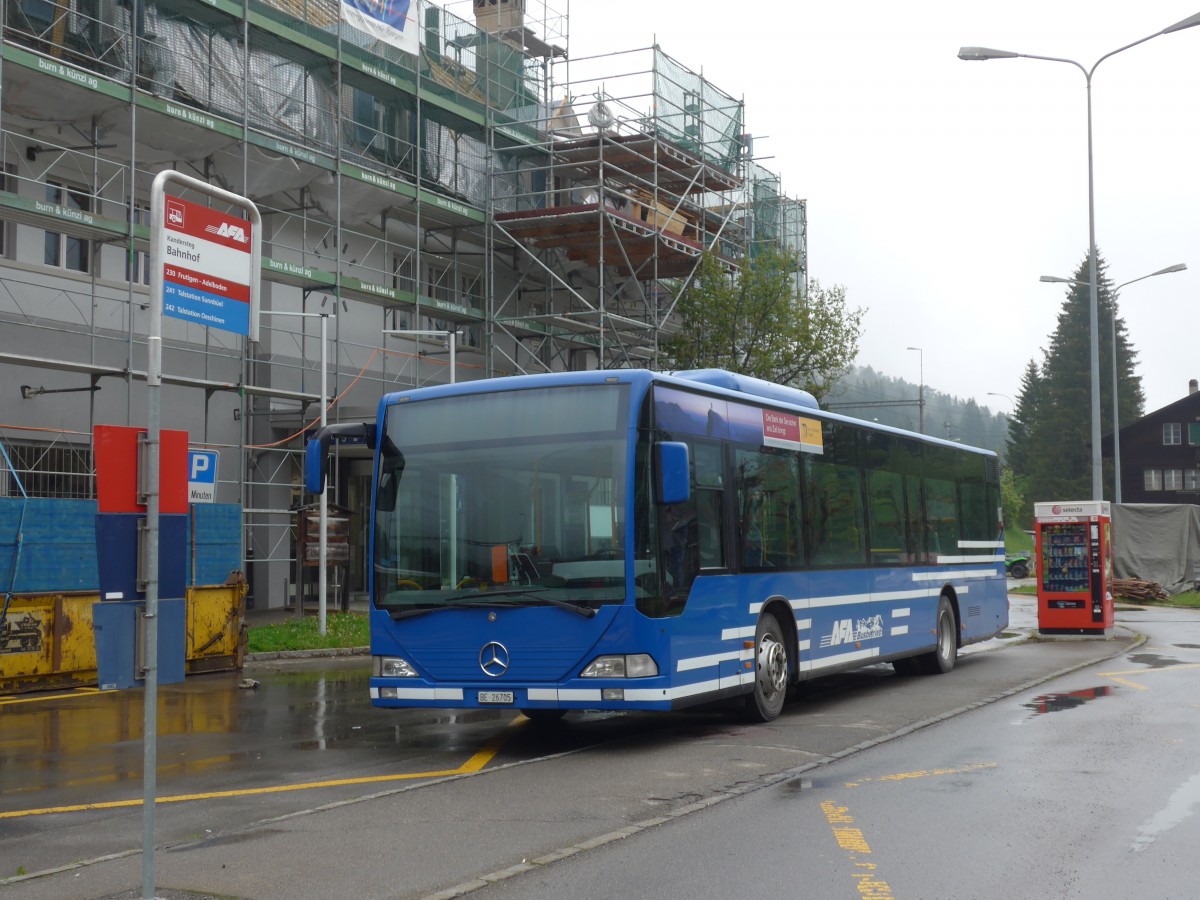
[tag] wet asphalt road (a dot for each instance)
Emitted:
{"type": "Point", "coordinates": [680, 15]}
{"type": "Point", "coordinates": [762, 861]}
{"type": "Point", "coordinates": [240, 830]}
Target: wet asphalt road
{"type": "Point", "coordinates": [267, 788]}
{"type": "Point", "coordinates": [1086, 786]}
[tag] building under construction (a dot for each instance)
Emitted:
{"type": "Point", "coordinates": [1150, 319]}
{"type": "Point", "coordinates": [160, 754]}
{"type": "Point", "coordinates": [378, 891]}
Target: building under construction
{"type": "Point", "coordinates": [470, 202]}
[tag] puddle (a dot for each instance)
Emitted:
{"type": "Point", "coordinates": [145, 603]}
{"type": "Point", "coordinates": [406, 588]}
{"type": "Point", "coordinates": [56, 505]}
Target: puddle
{"type": "Point", "coordinates": [1152, 660]}
{"type": "Point", "coordinates": [1180, 806]}
{"type": "Point", "coordinates": [1048, 703]}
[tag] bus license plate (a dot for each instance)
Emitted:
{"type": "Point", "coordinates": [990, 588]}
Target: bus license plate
{"type": "Point", "coordinates": [495, 696]}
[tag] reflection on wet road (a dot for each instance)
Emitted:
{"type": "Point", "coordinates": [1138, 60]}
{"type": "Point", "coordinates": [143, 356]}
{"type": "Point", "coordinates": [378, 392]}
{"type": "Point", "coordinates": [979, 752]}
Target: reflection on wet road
{"type": "Point", "coordinates": [1048, 703]}
{"type": "Point", "coordinates": [304, 726]}
{"type": "Point", "coordinates": [293, 729]}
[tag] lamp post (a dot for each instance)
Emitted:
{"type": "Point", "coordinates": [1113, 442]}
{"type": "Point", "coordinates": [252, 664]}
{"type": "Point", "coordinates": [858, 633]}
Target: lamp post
{"type": "Point", "coordinates": [984, 53]}
{"type": "Point", "coordinates": [323, 502]}
{"type": "Point", "coordinates": [1178, 267]}
{"type": "Point", "coordinates": [920, 392]}
{"type": "Point", "coordinates": [1005, 396]}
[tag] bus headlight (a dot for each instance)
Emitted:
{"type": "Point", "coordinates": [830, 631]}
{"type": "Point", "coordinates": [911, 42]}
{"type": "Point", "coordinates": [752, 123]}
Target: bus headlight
{"type": "Point", "coordinates": [633, 665]}
{"type": "Point", "coordinates": [391, 667]}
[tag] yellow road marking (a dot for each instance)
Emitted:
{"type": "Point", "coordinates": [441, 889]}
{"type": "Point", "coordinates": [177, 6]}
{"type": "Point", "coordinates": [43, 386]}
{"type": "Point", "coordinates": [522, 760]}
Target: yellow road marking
{"type": "Point", "coordinates": [1116, 676]}
{"type": "Point", "coordinates": [922, 773]}
{"type": "Point", "coordinates": [1158, 669]}
{"type": "Point", "coordinates": [1128, 683]}
{"type": "Point", "coordinates": [480, 759]}
{"type": "Point", "coordinates": [851, 839]}
{"type": "Point", "coordinates": [39, 698]}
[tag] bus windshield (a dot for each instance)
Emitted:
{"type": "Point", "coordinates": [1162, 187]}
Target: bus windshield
{"type": "Point", "coordinates": [509, 498]}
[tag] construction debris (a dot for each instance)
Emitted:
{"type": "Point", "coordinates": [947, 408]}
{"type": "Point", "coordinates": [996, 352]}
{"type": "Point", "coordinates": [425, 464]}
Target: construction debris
{"type": "Point", "coordinates": [1141, 591]}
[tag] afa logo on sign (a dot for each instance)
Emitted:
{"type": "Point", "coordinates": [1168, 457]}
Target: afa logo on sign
{"type": "Point", "coordinates": [226, 230]}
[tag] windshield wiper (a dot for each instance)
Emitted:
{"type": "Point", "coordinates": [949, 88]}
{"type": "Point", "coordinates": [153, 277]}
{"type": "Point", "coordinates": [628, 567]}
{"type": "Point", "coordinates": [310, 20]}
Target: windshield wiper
{"type": "Point", "coordinates": [476, 599]}
{"type": "Point", "coordinates": [399, 614]}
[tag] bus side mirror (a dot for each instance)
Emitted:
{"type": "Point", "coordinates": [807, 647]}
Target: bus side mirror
{"type": "Point", "coordinates": [671, 460]}
{"type": "Point", "coordinates": [316, 451]}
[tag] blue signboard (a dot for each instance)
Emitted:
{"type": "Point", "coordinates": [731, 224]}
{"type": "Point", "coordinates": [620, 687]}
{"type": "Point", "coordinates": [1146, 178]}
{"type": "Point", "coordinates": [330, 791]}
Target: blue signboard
{"type": "Point", "coordinates": [202, 476]}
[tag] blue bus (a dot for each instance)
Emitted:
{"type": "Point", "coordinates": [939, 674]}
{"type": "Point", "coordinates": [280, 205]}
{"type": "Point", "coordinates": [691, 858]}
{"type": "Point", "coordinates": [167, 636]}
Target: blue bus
{"type": "Point", "coordinates": [629, 540]}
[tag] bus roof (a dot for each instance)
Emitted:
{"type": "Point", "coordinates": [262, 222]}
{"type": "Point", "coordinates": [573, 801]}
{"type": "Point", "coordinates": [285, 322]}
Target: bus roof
{"type": "Point", "coordinates": [713, 380]}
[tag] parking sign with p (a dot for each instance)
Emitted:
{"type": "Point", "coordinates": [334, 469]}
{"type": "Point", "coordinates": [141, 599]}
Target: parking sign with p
{"type": "Point", "coordinates": [202, 476]}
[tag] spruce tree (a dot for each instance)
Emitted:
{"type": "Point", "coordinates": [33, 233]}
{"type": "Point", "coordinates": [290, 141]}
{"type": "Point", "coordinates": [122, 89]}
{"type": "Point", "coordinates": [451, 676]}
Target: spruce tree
{"type": "Point", "coordinates": [1028, 401]}
{"type": "Point", "coordinates": [1055, 454]}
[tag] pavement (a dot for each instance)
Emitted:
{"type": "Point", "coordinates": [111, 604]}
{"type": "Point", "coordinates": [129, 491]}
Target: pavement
{"type": "Point", "coordinates": [267, 855]}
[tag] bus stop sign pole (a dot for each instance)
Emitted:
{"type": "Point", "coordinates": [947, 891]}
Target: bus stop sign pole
{"type": "Point", "coordinates": [209, 264]}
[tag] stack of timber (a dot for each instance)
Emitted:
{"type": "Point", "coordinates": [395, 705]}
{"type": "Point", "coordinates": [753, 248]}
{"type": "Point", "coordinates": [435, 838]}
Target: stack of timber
{"type": "Point", "coordinates": [1143, 591]}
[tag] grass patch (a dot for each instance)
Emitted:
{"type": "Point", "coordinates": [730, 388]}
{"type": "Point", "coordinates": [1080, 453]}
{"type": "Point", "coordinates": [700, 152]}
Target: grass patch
{"type": "Point", "coordinates": [1017, 541]}
{"type": "Point", "coordinates": [1186, 600]}
{"type": "Point", "coordinates": [341, 630]}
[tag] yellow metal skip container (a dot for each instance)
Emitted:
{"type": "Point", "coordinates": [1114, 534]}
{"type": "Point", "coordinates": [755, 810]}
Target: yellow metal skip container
{"type": "Point", "coordinates": [47, 641]}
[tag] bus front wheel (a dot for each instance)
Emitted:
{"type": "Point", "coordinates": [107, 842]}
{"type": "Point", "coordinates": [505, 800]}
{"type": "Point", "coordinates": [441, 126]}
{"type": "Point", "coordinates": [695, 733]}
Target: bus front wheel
{"type": "Point", "coordinates": [942, 659]}
{"type": "Point", "coordinates": [765, 703]}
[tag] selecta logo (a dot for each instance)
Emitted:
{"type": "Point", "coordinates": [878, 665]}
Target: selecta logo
{"type": "Point", "coordinates": [226, 230]}
{"type": "Point", "coordinates": [1066, 510]}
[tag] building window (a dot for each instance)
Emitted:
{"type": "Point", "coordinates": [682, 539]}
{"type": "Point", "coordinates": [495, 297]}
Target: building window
{"type": "Point", "coordinates": [1172, 479]}
{"type": "Point", "coordinates": [1152, 479]}
{"type": "Point", "coordinates": [137, 263]}
{"type": "Point", "coordinates": [441, 283]}
{"type": "Point", "coordinates": [403, 268]}
{"type": "Point", "coordinates": [1170, 433]}
{"type": "Point", "coordinates": [8, 183]}
{"type": "Point", "coordinates": [1194, 433]}
{"type": "Point", "coordinates": [1191, 479]}
{"type": "Point", "coordinates": [62, 250]}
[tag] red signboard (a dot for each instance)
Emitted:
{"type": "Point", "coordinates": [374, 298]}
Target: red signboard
{"type": "Point", "coordinates": [116, 455]}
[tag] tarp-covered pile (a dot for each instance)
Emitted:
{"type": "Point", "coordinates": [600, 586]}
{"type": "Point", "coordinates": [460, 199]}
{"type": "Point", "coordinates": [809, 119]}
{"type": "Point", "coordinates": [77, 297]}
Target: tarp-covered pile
{"type": "Point", "coordinates": [1157, 542]}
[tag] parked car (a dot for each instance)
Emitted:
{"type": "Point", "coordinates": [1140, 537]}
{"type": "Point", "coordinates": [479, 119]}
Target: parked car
{"type": "Point", "coordinates": [1017, 565]}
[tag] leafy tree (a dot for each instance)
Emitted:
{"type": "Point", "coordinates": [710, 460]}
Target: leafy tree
{"type": "Point", "coordinates": [756, 322]}
{"type": "Point", "coordinates": [1012, 500]}
{"type": "Point", "coordinates": [1057, 456]}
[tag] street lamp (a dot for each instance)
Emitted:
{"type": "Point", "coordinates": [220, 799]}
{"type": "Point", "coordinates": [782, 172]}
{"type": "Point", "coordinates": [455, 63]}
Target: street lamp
{"type": "Point", "coordinates": [1178, 267]}
{"type": "Point", "coordinates": [1005, 396]}
{"type": "Point", "coordinates": [984, 53]}
{"type": "Point", "coordinates": [920, 392]}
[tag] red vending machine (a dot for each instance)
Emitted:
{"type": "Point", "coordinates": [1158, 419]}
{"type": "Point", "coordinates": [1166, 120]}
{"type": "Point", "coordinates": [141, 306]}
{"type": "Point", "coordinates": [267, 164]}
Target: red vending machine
{"type": "Point", "coordinates": [1074, 567]}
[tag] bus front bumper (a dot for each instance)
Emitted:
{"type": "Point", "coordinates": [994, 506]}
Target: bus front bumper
{"type": "Point", "coordinates": [628, 694]}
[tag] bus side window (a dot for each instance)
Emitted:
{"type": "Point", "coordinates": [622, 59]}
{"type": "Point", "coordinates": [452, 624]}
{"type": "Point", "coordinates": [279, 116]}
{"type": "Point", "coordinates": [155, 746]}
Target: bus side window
{"type": "Point", "coordinates": [886, 516]}
{"type": "Point", "coordinates": [708, 482]}
{"type": "Point", "coordinates": [835, 513]}
{"type": "Point", "coordinates": [768, 506]}
{"type": "Point", "coordinates": [709, 541]}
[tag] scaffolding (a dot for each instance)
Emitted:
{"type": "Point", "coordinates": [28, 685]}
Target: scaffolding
{"type": "Point", "coordinates": [544, 211]}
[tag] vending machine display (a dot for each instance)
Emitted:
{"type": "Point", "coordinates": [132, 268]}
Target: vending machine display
{"type": "Point", "coordinates": [1074, 567]}
{"type": "Point", "coordinates": [1064, 562]}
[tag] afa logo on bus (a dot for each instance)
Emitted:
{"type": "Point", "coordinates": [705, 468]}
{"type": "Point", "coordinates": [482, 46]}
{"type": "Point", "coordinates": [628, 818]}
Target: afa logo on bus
{"type": "Point", "coordinates": [847, 631]}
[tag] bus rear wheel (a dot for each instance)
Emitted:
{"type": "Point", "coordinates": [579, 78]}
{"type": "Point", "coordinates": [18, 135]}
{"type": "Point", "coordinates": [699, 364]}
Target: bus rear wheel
{"type": "Point", "coordinates": [765, 702]}
{"type": "Point", "coordinates": [943, 658]}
